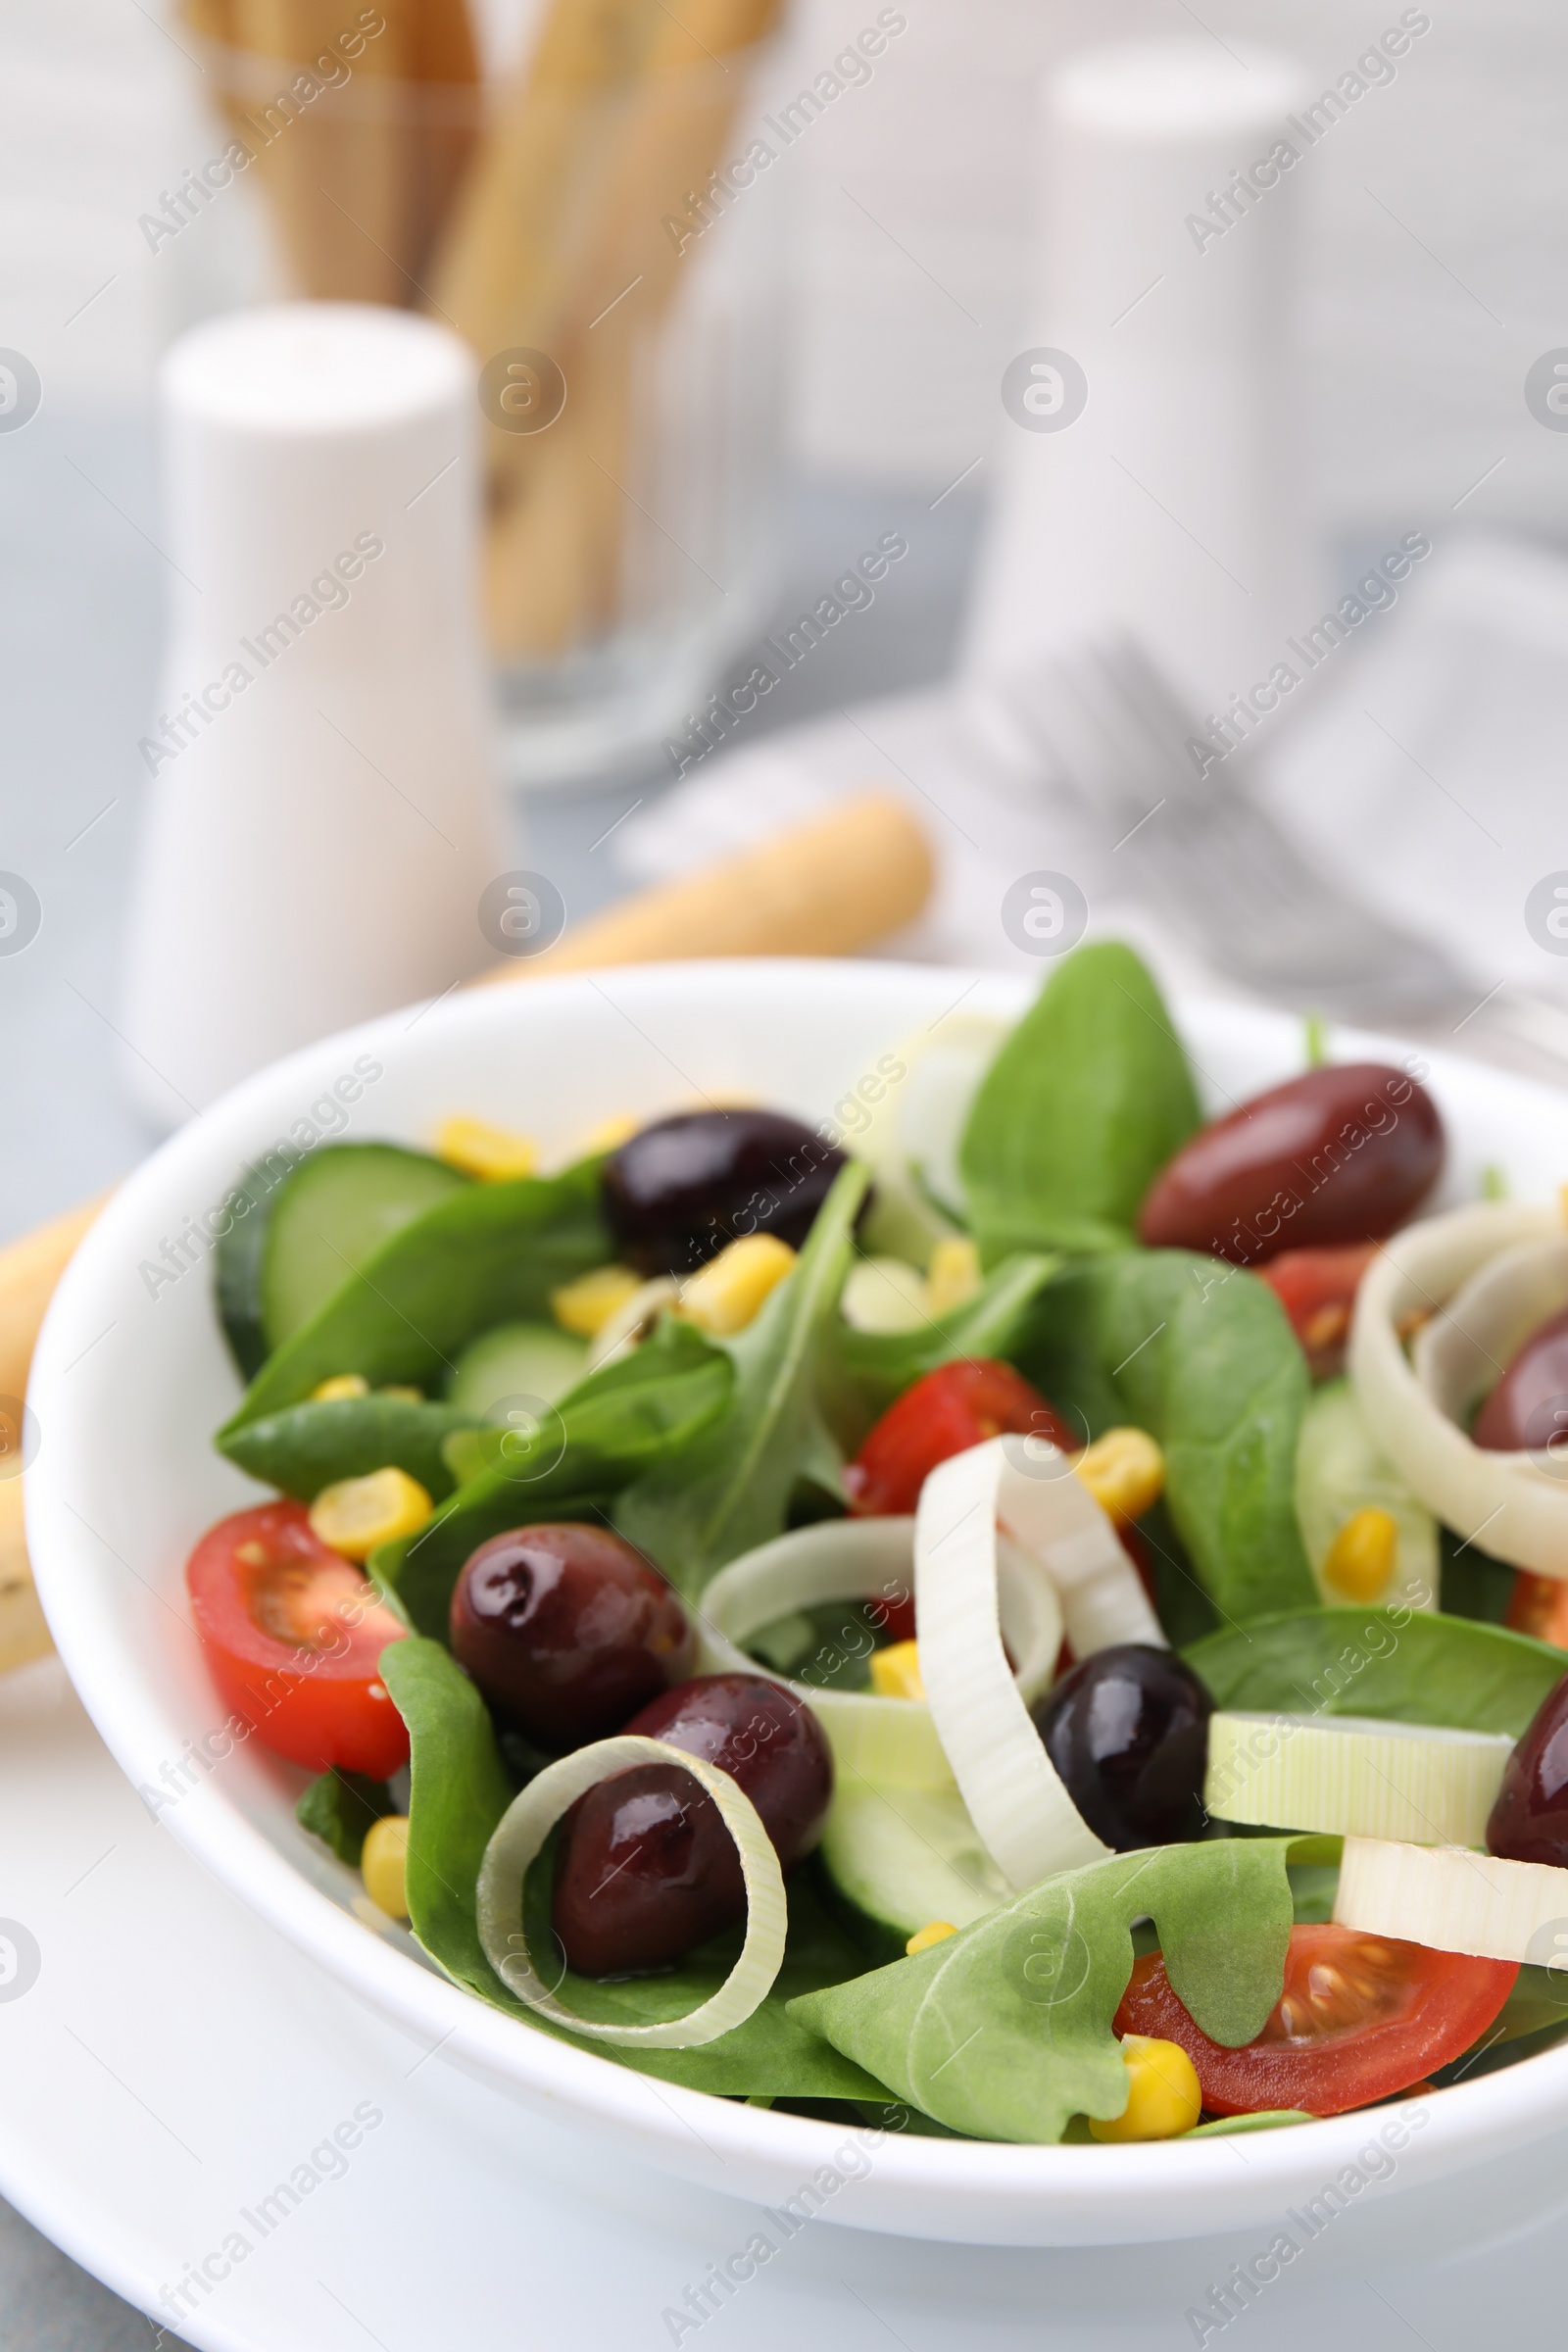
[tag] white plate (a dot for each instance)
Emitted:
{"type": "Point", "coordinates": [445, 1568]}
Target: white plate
{"type": "Point", "coordinates": [175, 2059]}
{"type": "Point", "coordinates": [127, 1387]}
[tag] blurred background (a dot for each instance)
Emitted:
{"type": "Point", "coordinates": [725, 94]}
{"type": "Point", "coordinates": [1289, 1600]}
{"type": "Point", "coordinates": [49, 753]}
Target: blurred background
{"type": "Point", "coordinates": [809, 362]}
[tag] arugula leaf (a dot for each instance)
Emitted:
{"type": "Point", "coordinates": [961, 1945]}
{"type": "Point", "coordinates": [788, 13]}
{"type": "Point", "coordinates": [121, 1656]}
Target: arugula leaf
{"type": "Point", "coordinates": [1003, 2031]}
{"type": "Point", "coordinates": [864, 1371]}
{"type": "Point", "coordinates": [492, 1253]}
{"type": "Point", "coordinates": [1403, 1665]}
{"type": "Point", "coordinates": [729, 1489]}
{"type": "Point", "coordinates": [307, 1447]}
{"type": "Point", "coordinates": [340, 1808]}
{"type": "Point", "coordinates": [1085, 1102]}
{"type": "Point", "coordinates": [1202, 1356]}
{"type": "Point", "coordinates": [603, 1432]}
{"type": "Point", "coordinates": [460, 1793]}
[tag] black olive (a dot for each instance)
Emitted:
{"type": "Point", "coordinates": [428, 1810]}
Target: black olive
{"type": "Point", "coordinates": [1128, 1732]}
{"type": "Point", "coordinates": [1530, 1820]}
{"type": "Point", "coordinates": [682, 1189]}
{"type": "Point", "coordinates": [646, 1868]}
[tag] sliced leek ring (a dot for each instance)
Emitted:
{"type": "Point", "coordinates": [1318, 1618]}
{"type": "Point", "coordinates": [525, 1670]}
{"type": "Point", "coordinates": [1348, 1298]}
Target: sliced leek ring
{"type": "Point", "coordinates": [1455, 1902]}
{"type": "Point", "coordinates": [1457, 1355]}
{"type": "Point", "coordinates": [1515, 1508]}
{"type": "Point", "coordinates": [1029, 1823]}
{"type": "Point", "coordinates": [1349, 1775]}
{"type": "Point", "coordinates": [911, 1136]}
{"type": "Point", "coordinates": [890, 1741]}
{"type": "Point", "coordinates": [519, 1837]}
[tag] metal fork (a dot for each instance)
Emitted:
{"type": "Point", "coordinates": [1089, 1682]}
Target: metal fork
{"type": "Point", "coordinates": [1107, 731]}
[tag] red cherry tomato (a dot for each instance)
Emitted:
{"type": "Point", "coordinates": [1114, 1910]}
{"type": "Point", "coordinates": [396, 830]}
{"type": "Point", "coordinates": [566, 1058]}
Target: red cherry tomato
{"type": "Point", "coordinates": [1360, 2017]}
{"type": "Point", "coordinates": [1539, 1606]}
{"type": "Point", "coordinates": [948, 1410]}
{"type": "Point", "coordinates": [294, 1636]}
{"type": "Point", "coordinates": [1317, 1290]}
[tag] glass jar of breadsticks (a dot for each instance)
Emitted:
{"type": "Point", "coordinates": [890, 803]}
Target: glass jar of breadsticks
{"type": "Point", "coordinates": [590, 195]}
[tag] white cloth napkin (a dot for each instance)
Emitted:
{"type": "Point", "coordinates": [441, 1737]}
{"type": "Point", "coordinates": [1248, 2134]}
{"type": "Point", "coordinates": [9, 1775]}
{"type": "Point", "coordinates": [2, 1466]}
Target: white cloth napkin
{"type": "Point", "coordinates": [1425, 771]}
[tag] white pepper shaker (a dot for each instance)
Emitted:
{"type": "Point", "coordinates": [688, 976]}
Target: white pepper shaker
{"type": "Point", "coordinates": [1150, 464]}
{"type": "Point", "coordinates": [324, 806]}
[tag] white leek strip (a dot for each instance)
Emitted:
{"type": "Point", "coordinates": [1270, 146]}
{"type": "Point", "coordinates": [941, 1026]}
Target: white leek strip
{"type": "Point", "coordinates": [519, 1837]}
{"type": "Point", "coordinates": [1457, 1357]}
{"type": "Point", "coordinates": [1515, 1509]}
{"type": "Point", "coordinates": [1347, 1774]}
{"type": "Point", "coordinates": [926, 1085]}
{"type": "Point", "coordinates": [1016, 1799]}
{"type": "Point", "coordinates": [1054, 1516]}
{"type": "Point", "coordinates": [1454, 1901]}
{"type": "Point", "coordinates": [890, 1741]}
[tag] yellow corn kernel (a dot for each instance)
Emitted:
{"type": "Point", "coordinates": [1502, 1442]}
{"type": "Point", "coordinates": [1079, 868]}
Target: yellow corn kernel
{"type": "Point", "coordinates": [585, 1306]}
{"type": "Point", "coordinates": [1163, 2098]}
{"type": "Point", "coordinates": [953, 1277]}
{"type": "Point", "coordinates": [383, 1864]}
{"type": "Point", "coordinates": [723, 1296]}
{"type": "Point", "coordinates": [895, 1671]}
{"type": "Point", "coordinates": [1124, 1471]}
{"type": "Point", "coordinates": [1360, 1559]}
{"type": "Point", "coordinates": [357, 1514]}
{"type": "Point", "coordinates": [936, 1930]}
{"type": "Point", "coordinates": [609, 1135]}
{"type": "Point", "coordinates": [341, 1384]}
{"type": "Point", "coordinates": [492, 1153]}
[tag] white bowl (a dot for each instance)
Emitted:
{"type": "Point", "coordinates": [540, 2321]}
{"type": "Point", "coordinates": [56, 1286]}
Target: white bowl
{"type": "Point", "coordinates": [127, 1387]}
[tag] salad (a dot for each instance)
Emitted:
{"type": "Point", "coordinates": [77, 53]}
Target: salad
{"type": "Point", "coordinates": [1053, 1620]}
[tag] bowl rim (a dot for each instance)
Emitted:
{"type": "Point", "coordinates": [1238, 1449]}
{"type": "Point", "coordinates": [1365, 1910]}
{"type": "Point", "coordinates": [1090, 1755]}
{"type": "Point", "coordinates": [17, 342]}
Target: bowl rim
{"type": "Point", "coordinates": [1098, 2195]}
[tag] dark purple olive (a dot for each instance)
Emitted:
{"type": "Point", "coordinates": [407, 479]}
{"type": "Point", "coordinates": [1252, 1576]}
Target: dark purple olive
{"type": "Point", "coordinates": [1343, 1153]}
{"type": "Point", "coordinates": [683, 1189]}
{"type": "Point", "coordinates": [1527, 1412]}
{"type": "Point", "coordinates": [646, 1868]}
{"type": "Point", "coordinates": [1530, 1820]}
{"type": "Point", "coordinates": [567, 1631]}
{"type": "Point", "coordinates": [1128, 1732]}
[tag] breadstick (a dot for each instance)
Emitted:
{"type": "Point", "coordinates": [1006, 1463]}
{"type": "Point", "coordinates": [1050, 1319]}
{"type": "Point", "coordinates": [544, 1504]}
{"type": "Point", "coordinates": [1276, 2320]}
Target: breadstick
{"type": "Point", "coordinates": [329, 156]}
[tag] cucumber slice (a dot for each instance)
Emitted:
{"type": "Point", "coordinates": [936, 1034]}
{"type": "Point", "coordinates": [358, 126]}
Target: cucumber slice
{"type": "Point", "coordinates": [1341, 1469]}
{"type": "Point", "coordinates": [1423, 1783]}
{"type": "Point", "coordinates": [902, 1857]}
{"type": "Point", "coordinates": [517, 1359]}
{"type": "Point", "coordinates": [238, 1263]}
{"type": "Point", "coordinates": [332, 1213]}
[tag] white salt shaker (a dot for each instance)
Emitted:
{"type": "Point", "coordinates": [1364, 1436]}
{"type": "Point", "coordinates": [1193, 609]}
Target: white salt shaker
{"type": "Point", "coordinates": [1151, 461]}
{"type": "Point", "coordinates": [324, 807]}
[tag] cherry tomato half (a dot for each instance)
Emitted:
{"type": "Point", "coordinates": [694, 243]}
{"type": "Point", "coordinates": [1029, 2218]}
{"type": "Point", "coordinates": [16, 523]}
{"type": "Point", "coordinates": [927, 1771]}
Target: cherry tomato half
{"type": "Point", "coordinates": [1317, 1290]}
{"type": "Point", "coordinates": [1360, 2017]}
{"type": "Point", "coordinates": [948, 1410]}
{"type": "Point", "coordinates": [293, 1636]}
{"type": "Point", "coordinates": [1539, 1606]}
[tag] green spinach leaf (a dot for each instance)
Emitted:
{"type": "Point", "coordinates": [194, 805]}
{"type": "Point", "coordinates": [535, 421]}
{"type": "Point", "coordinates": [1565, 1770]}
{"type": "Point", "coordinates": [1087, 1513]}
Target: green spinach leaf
{"type": "Point", "coordinates": [1201, 1355]}
{"type": "Point", "coordinates": [490, 1255]}
{"type": "Point", "coordinates": [308, 1447]}
{"type": "Point", "coordinates": [340, 1808]}
{"type": "Point", "coordinates": [729, 1487]}
{"type": "Point", "coordinates": [460, 1793]}
{"type": "Point", "coordinates": [1407, 1666]}
{"type": "Point", "coordinates": [864, 1371]}
{"type": "Point", "coordinates": [1003, 2031]}
{"type": "Point", "coordinates": [1088, 1099]}
{"type": "Point", "coordinates": [602, 1434]}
